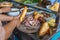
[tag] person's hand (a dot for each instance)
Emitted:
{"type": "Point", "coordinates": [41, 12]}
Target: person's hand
{"type": "Point", "coordinates": [4, 10]}
{"type": "Point", "coordinates": [0, 23]}
{"type": "Point", "coordinates": [18, 23]}
{"type": "Point", "coordinates": [16, 17]}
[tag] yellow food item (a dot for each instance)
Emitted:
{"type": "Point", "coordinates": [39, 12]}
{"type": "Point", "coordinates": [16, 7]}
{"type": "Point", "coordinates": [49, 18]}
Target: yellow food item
{"type": "Point", "coordinates": [22, 15]}
{"type": "Point", "coordinates": [55, 7]}
{"type": "Point", "coordinates": [52, 22]}
{"type": "Point", "coordinates": [6, 4]}
{"type": "Point", "coordinates": [37, 15]}
{"type": "Point", "coordinates": [18, 0]}
{"type": "Point", "coordinates": [41, 15]}
{"type": "Point", "coordinates": [44, 29]}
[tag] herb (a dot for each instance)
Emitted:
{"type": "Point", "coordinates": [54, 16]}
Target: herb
{"type": "Point", "coordinates": [2, 0]}
{"type": "Point", "coordinates": [27, 1]}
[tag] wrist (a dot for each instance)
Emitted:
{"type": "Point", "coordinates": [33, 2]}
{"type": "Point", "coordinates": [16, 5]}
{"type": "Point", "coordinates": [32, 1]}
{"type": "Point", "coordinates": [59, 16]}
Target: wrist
{"type": "Point", "coordinates": [15, 22]}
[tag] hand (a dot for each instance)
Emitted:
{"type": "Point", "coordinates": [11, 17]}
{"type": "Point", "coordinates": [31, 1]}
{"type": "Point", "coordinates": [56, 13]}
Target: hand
{"type": "Point", "coordinates": [4, 10]}
{"type": "Point", "coordinates": [17, 17]}
{"type": "Point", "coordinates": [0, 23]}
{"type": "Point", "coordinates": [16, 22]}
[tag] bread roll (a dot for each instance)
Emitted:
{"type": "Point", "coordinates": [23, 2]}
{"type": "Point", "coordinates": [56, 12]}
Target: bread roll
{"type": "Point", "coordinates": [22, 16]}
{"type": "Point", "coordinates": [44, 29]}
{"type": "Point", "coordinates": [6, 4]}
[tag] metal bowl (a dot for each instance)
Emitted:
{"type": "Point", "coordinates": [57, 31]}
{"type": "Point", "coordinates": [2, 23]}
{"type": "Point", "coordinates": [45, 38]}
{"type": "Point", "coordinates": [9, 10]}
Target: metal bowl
{"type": "Point", "coordinates": [23, 28]}
{"type": "Point", "coordinates": [14, 12]}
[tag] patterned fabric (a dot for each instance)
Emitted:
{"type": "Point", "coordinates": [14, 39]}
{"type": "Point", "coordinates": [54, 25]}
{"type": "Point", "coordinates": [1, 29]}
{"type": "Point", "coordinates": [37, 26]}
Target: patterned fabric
{"type": "Point", "coordinates": [2, 32]}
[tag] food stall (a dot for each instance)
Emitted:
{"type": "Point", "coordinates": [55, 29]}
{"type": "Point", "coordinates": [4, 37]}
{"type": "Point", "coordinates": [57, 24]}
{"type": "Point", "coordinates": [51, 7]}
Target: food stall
{"type": "Point", "coordinates": [40, 22]}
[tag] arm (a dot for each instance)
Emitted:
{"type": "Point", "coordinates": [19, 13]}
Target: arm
{"type": "Point", "coordinates": [10, 27]}
{"type": "Point", "coordinates": [5, 18]}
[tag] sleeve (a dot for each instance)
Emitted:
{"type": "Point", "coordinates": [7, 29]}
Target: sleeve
{"type": "Point", "coordinates": [2, 33]}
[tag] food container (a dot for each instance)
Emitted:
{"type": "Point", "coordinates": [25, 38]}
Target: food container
{"type": "Point", "coordinates": [14, 12]}
{"type": "Point", "coordinates": [30, 10]}
{"type": "Point", "coordinates": [34, 36]}
{"type": "Point", "coordinates": [48, 6]}
{"type": "Point", "coordinates": [21, 28]}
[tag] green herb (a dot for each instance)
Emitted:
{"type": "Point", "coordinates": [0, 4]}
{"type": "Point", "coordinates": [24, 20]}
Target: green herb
{"type": "Point", "coordinates": [29, 1]}
{"type": "Point", "coordinates": [2, 0]}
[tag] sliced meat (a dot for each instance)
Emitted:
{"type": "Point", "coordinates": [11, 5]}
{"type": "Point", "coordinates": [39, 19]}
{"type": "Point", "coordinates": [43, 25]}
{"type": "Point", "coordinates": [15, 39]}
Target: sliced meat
{"type": "Point", "coordinates": [29, 21]}
{"type": "Point", "coordinates": [41, 19]}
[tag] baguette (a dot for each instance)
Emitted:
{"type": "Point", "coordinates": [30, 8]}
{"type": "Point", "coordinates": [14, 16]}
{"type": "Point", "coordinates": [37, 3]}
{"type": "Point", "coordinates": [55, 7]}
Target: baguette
{"type": "Point", "coordinates": [44, 29]}
{"type": "Point", "coordinates": [22, 16]}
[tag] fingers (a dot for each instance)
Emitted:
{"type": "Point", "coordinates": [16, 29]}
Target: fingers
{"type": "Point", "coordinates": [22, 16]}
{"type": "Point", "coordinates": [5, 18]}
{"type": "Point", "coordinates": [0, 11]}
{"type": "Point", "coordinates": [4, 10]}
{"type": "Point", "coordinates": [0, 23]}
{"type": "Point", "coordinates": [17, 17]}
{"type": "Point", "coordinates": [6, 4]}
{"type": "Point", "coordinates": [18, 23]}
{"type": "Point", "coordinates": [9, 18]}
